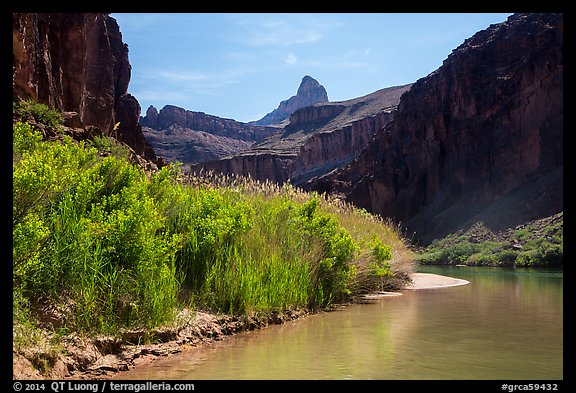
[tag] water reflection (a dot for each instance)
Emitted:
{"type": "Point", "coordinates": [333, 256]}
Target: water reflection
{"type": "Point", "coordinates": [506, 324]}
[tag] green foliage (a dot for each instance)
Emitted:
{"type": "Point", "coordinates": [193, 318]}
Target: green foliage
{"type": "Point", "coordinates": [40, 174]}
{"type": "Point", "coordinates": [85, 228]}
{"type": "Point", "coordinates": [526, 247]}
{"type": "Point", "coordinates": [334, 269]}
{"type": "Point", "coordinates": [25, 139]}
{"type": "Point", "coordinates": [109, 145]}
{"type": "Point", "coordinates": [382, 254]}
{"type": "Point", "coordinates": [29, 236]}
{"type": "Point", "coordinates": [118, 250]}
{"type": "Point", "coordinates": [41, 113]}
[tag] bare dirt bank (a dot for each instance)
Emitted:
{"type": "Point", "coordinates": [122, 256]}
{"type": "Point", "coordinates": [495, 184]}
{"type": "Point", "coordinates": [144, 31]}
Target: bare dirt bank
{"type": "Point", "coordinates": [105, 357]}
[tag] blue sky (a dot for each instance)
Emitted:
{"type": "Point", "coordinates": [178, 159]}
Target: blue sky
{"type": "Point", "coordinates": [241, 65]}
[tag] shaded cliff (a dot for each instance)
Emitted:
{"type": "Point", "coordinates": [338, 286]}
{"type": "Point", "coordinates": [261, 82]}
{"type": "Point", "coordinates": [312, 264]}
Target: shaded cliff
{"type": "Point", "coordinates": [318, 139]}
{"type": "Point", "coordinates": [78, 63]}
{"type": "Point", "coordinates": [479, 139]}
{"type": "Point", "coordinates": [191, 137]}
{"type": "Point", "coordinates": [309, 92]}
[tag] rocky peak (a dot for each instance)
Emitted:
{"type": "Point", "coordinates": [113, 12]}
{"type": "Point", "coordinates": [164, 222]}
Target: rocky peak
{"type": "Point", "coordinates": [151, 118]}
{"type": "Point", "coordinates": [318, 139]}
{"type": "Point", "coordinates": [309, 92]}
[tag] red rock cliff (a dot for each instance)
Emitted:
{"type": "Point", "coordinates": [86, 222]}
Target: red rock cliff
{"type": "Point", "coordinates": [78, 63]}
{"type": "Point", "coordinates": [483, 131]}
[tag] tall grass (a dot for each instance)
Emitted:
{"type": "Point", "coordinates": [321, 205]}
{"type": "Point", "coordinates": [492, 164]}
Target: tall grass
{"type": "Point", "coordinates": [120, 249]}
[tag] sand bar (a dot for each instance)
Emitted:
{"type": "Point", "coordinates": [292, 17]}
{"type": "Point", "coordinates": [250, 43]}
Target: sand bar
{"type": "Point", "coordinates": [433, 281]}
{"type": "Point", "coordinates": [422, 281]}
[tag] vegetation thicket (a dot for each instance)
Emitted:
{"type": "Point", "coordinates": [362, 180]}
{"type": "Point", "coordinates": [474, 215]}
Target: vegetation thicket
{"type": "Point", "coordinates": [536, 244]}
{"type": "Point", "coordinates": [110, 248]}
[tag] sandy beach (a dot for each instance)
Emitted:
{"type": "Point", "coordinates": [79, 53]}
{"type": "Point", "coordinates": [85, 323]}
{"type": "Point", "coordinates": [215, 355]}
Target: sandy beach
{"type": "Point", "coordinates": [422, 281]}
{"type": "Point", "coordinates": [433, 281]}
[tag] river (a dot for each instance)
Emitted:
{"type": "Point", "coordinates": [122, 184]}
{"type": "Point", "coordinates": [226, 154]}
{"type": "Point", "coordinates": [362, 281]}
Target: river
{"type": "Point", "coordinates": [506, 324]}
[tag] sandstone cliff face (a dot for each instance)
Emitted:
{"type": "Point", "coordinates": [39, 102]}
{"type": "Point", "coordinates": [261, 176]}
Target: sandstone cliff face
{"type": "Point", "coordinates": [318, 139]}
{"type": "Point", "coordinates": [191, 137]}
{"type": "Point", "coordinates": [309, 92]}
{"type": "Point", "coordinates": [477, 134]}
{"type": "Point", "coordinates": [78, 63]}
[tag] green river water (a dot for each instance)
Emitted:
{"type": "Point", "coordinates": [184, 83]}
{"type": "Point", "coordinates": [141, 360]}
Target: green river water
{"type": "Point", "coordinates": [506, 324]}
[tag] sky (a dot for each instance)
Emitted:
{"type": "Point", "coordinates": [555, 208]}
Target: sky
{"type": "Point", "coordinates": [241, 65]}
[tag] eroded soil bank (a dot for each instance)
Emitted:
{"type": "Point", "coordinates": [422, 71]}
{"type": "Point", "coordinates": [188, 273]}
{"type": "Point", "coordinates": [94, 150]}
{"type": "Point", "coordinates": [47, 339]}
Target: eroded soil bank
{"type": "Point", "coordinates": [104, 357]}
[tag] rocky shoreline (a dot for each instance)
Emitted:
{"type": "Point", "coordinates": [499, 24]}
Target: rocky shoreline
{"type": "Point", "coordinates": [102, 357]}
{"type": "Point", "coordinates": [105, 357]}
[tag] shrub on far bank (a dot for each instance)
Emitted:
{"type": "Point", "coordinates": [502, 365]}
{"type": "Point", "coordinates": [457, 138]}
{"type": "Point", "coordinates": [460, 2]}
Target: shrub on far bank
{"type": "Point", "coordinates": [531, 246]}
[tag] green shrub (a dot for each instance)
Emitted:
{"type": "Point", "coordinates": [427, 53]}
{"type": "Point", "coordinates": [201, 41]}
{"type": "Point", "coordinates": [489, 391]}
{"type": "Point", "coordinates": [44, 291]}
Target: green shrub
{"type": "Point", "coordinates": [24, 138]}
{"type": "Point", "coordinates": [109, 145]}
{"type": "Point", "coordinates": [435, 257]}
{"type": "Point", "coordinates": [526, 247]}
{"type": "Point", "coordinates": [506, 258]}
{"type": "Point", "coordinates": [334, 269]}
{"type": "Point", "coordinates": [115, 249]}
{"type": "Point", "coordinates": [85, 228]}
{"type": "Point", "coordinates": [481, 259]}
{"type": "Point", "coordinates": [41, 113]}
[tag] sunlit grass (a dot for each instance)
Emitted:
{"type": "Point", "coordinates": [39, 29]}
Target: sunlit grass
{"type": "Point", "coordinates": [120, 249]}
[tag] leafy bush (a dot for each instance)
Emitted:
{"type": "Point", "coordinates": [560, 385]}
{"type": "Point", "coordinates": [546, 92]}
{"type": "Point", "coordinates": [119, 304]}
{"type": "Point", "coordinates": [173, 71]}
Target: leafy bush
{"type": "Point", "coordinates": [334, 270]}
{"type": "Point", "coordinates": [109, 145]}
{"type": "Point", "coordinates": [116, 250]}
{"type": "Point", "coordinates": [41, 113]}
{"type": "Point", "coordinates": [25, 139]}
{"type": "Point", "coordinates": [85, 227]}
{"type": "Point", "coordinates": [529, 246]}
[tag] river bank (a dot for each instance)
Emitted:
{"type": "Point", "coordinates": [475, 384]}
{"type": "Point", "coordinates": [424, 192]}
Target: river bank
{"type": "Point", "coordinates": [106, 357]}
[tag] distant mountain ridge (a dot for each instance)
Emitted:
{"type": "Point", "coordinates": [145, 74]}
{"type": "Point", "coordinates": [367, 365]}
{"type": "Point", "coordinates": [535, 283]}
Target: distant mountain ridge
{"type": "Point", "coordinates": [317, 139]}
{"type": "Point", "coordinates": [193, 137]}
{"type": "Point", "coordinates": [190, 137]}
{"type": "Point", "coordinates": [309, 92]}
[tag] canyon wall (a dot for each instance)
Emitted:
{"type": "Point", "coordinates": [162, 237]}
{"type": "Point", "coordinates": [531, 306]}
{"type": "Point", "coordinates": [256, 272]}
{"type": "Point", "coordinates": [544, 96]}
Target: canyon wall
{"type": "Point", "coordinates": [481, 138]}
{"type": "Point", "coordinates": [78, 63]}
{"type": "Point", "coordinates": [171, 115]}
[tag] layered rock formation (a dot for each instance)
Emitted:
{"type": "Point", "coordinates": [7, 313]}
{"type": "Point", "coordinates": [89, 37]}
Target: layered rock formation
{"type": "Point", "coordinates": [318, 139]}
{"type": "Point", "coordinates": [310, 92]}
{"type": "Point", "coordinates": [191, 137]}
{"type": "Point", "coordinates": [479, 139]}
{"type": "Point", "coordinates": [172, 115]}
{"type": "Point", "coordinates": [78, 63]}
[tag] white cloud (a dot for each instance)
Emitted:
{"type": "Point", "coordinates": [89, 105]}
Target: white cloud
{"type": "Point", "coordinates": [291, 59]}
{"type": "Point", "coordinates": [282, 29]}
{"type": "Point", "coordinates": [202, 82]}
{"type": "Point", "coordinates": [158, 95]}
{"type": "Point", "coordinates": [340, 63]}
